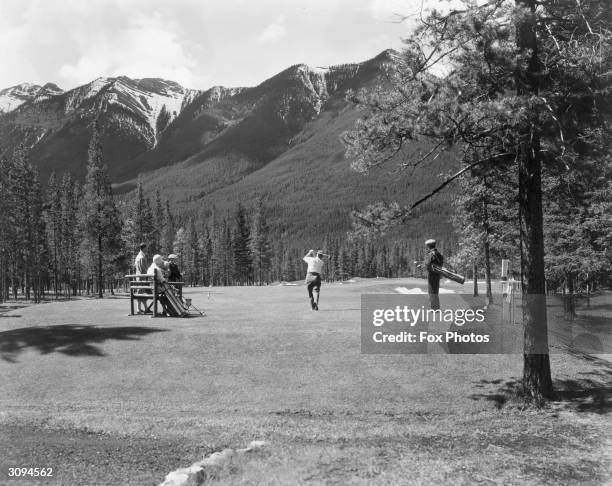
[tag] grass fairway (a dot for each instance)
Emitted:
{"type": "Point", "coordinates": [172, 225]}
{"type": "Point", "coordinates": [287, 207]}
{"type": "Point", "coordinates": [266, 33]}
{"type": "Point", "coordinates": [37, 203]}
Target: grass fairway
{"type": "Point", "coordinates": [104, 398]}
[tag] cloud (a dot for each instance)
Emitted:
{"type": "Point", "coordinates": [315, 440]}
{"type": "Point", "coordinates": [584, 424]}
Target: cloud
{"type": "Point", "coordinates": [73, 42]}
{"type": "Point", "coordinates": [196, 43]}
{"type": "Point", "coordinates": [273, 32]}
{"type": "Point", "coordinates": [409, 11]}
{"type": "Point", "coordinates": [148, 46]}
{"type": "Point", "coordinates": [393, 10]}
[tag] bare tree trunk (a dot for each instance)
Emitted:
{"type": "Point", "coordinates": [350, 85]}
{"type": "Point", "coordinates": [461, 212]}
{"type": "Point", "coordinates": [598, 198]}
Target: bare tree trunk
{"type": "Point", "coordinates": [100, 294]}
{"type": "Point", "coordinates": [569, 300]}
{"type": "Point", "coordinates": [487, 252]}
{"type": "Point", "coordinates": [475, 274]}
{"type": "Point", "coordinates": [537, 381]}
{"type": "Point", "coordinates": [536, 370]}
{"type": "Point", "coordinates": [588, 291]}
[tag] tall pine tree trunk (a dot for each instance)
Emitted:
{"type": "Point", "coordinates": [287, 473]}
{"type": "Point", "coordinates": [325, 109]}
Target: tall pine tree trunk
{"type": "Point", "coordinates": [487, 252]}
{"type": "Point", "coordinates": [475, 274]}
{"type": "Point", "coordinates": [100, 294]}
{"type": "Point", "coordinates": [570, 301]}
{"type": "Point", "coordinates": [537, 380]}
{"type": "Point", "coordinates": [536, 370]}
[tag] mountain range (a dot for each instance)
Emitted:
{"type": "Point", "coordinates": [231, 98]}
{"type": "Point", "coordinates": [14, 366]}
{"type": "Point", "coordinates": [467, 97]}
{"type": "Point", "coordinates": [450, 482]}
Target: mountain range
{"type": "Point", "coordinates": [201, 149]}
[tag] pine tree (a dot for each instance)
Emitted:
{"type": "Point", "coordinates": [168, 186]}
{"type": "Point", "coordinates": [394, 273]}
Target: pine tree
{"type": "Point", "coordinates": [477, 222]}
{"type": "Point", "coordinates": [5, 234]}
{"type": "Point", "coordinates": [101, 222]}
{"type": "Point", "coordinates": [243, 262]}
{"type": "Point", "coordinates": [169, 230]}
{"type": "Point", "coordinates": [159, 223]}
{"type": "Point", "coordinates": [141, 228]}
{"type": "Point", "coordinates": [227, 254]}
{"type": "Point", "coordinates": [260, 246]}
{"type": "Point", "coordinates": [206, 249]}
{"type": "Point", "coordinates": [573, 237]}
{"type": "Point", "coordinates": [71, 234]}
{"type": "Point", "coordinates": [192, 257]}
{"type": "Point", "coordinates": [528, 84]}
{"type": "Point", "coordinates": [53, 217]}
{"type": "Point", "coordinates": [179, 246]}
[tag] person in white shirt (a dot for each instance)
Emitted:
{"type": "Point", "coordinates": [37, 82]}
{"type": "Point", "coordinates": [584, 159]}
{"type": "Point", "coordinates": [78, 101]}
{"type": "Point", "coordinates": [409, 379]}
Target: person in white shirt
{"type": "Point", "coordinates": [313, 276]}
{"type": "Point", "coordinates": [173, 305]}
{"type": "Point", "coordinates": [141, 268]}
{"type": "Point", "coordinates": [157, 269]}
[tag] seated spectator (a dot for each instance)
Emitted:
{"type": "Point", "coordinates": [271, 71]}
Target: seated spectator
{"type": "Point", "coordinates": [173, 306]}
{"type": "Point", "coordinates": [157, 270]}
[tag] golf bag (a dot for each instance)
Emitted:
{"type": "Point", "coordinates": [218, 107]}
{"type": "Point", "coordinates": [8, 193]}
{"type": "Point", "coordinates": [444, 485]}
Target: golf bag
{"type": "Point", "coordinates": [455, 277]}
{"type": "Point", "coordinates": [173, 304]}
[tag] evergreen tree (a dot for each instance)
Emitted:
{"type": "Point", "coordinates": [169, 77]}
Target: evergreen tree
{"type": "Point", "coordinates": [158, 222]}
{"type": "Point", "coordinates": [71, 235]}
{"type": "Point", "coordinates": [53, 218]}
{"type": "Point", "coordinates": [243, 262]}
{"type": "Point", "coordinates": [192, 256]}
{"type": "Point", "coordinates": [575, 252]}
{"type": "Point", "coordinates": [101, 222]}
{"type": "Point", "coordinates": [5, 234]}
{"type": "Point", "coordinates": [179, 246]}
{"type": "Point", "coordinates": [528, 84]}
{"type": "Point", "coordinates": [227, 254]}
{"type": "Point", "coordinates": [139, 226]}
{"type": "Point", "coordinates": [206, 249]}
{"type": "Point", "coordinates": [260, 246]}
{"type": "Point", "coordinates": [169, 230]}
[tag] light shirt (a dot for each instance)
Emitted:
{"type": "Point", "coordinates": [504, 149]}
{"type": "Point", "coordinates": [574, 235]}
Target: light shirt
{"type": "Point", "coordinates": [157, 272]}
{"type": "Point", "coordinates": [314, 264]}
{"type": "Point", "coordinates": [140, 263]}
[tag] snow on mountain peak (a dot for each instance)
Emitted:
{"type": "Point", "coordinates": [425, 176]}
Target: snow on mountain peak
{"type": "Point", "coordinates": [147, 99]}
{"type": "Point", "coordinates": [140, 100]}
{"type": "Point", "coordinates": [15, 96]}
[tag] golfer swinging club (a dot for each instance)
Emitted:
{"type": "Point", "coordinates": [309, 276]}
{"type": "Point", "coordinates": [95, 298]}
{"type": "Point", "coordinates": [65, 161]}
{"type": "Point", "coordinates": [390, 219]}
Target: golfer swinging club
{"type": "Point", "coordinates": [313, 277]}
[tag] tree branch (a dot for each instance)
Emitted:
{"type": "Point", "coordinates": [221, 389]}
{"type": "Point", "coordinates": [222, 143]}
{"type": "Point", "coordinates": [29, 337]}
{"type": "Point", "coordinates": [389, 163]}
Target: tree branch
{"type": "Point", "coordinates": [456, 175]}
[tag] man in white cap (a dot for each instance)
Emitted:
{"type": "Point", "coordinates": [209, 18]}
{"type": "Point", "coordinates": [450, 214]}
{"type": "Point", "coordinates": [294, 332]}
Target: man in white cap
{"type": "Point", "coordinates": [313, 276]}
{"type": "Point", "coordinates": [173, 269]}
{"type": "Point", "coordinates": [434, 257]}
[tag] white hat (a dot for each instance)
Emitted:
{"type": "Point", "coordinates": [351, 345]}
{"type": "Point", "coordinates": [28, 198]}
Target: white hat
{"type": "Point", "coordinates": [430, 242]}
{"type": "Point", "coordinates": [172, 255]}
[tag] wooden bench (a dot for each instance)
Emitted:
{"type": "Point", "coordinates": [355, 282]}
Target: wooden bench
{"type": "Point", "coordinates": [143, 287]}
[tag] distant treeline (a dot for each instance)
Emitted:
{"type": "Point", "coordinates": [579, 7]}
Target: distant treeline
{"type": "Point", "coordinates": [69, 239]}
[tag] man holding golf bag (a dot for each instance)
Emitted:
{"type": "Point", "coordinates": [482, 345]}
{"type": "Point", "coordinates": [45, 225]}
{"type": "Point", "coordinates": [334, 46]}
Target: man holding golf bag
{"type": "Point", "coordinates": [433, 258]}
{"type": "Point", "coordinates": [313, 276]}
{"type": "Point", "coordinates": [434, 262]}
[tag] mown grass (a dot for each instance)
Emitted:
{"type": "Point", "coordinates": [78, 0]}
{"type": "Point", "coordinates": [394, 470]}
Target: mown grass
{"type": "Point", "coordinates": [262, 366]}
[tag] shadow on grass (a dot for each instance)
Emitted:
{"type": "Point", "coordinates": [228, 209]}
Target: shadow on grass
{"type": "Point", "coordinates": [70, 339]}
{"type": "Point", "coordinates": [579, 395]}
{"type": "Point", "coordinates": [6, 308]}
{"type": "Point", "coordinates": [595, 307]}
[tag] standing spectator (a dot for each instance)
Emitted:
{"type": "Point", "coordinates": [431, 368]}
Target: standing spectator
{"type": "Point", "coordinates": [174, 272]}
{"type": "Point", "coordinates": [434, 257]}
{"type": "Point", "coordinates": [141, 268]}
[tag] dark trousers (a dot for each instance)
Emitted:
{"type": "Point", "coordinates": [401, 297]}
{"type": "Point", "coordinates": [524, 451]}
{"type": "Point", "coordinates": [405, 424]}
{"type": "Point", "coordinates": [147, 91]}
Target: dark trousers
{"type": "Point", "coordinates": [313, 283]}
{"type": "Point", "coordinates": [433, 288]}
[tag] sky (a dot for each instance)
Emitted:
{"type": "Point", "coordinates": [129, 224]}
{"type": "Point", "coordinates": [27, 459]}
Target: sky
{"type": "Point", "coordinates": [197, 43]}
